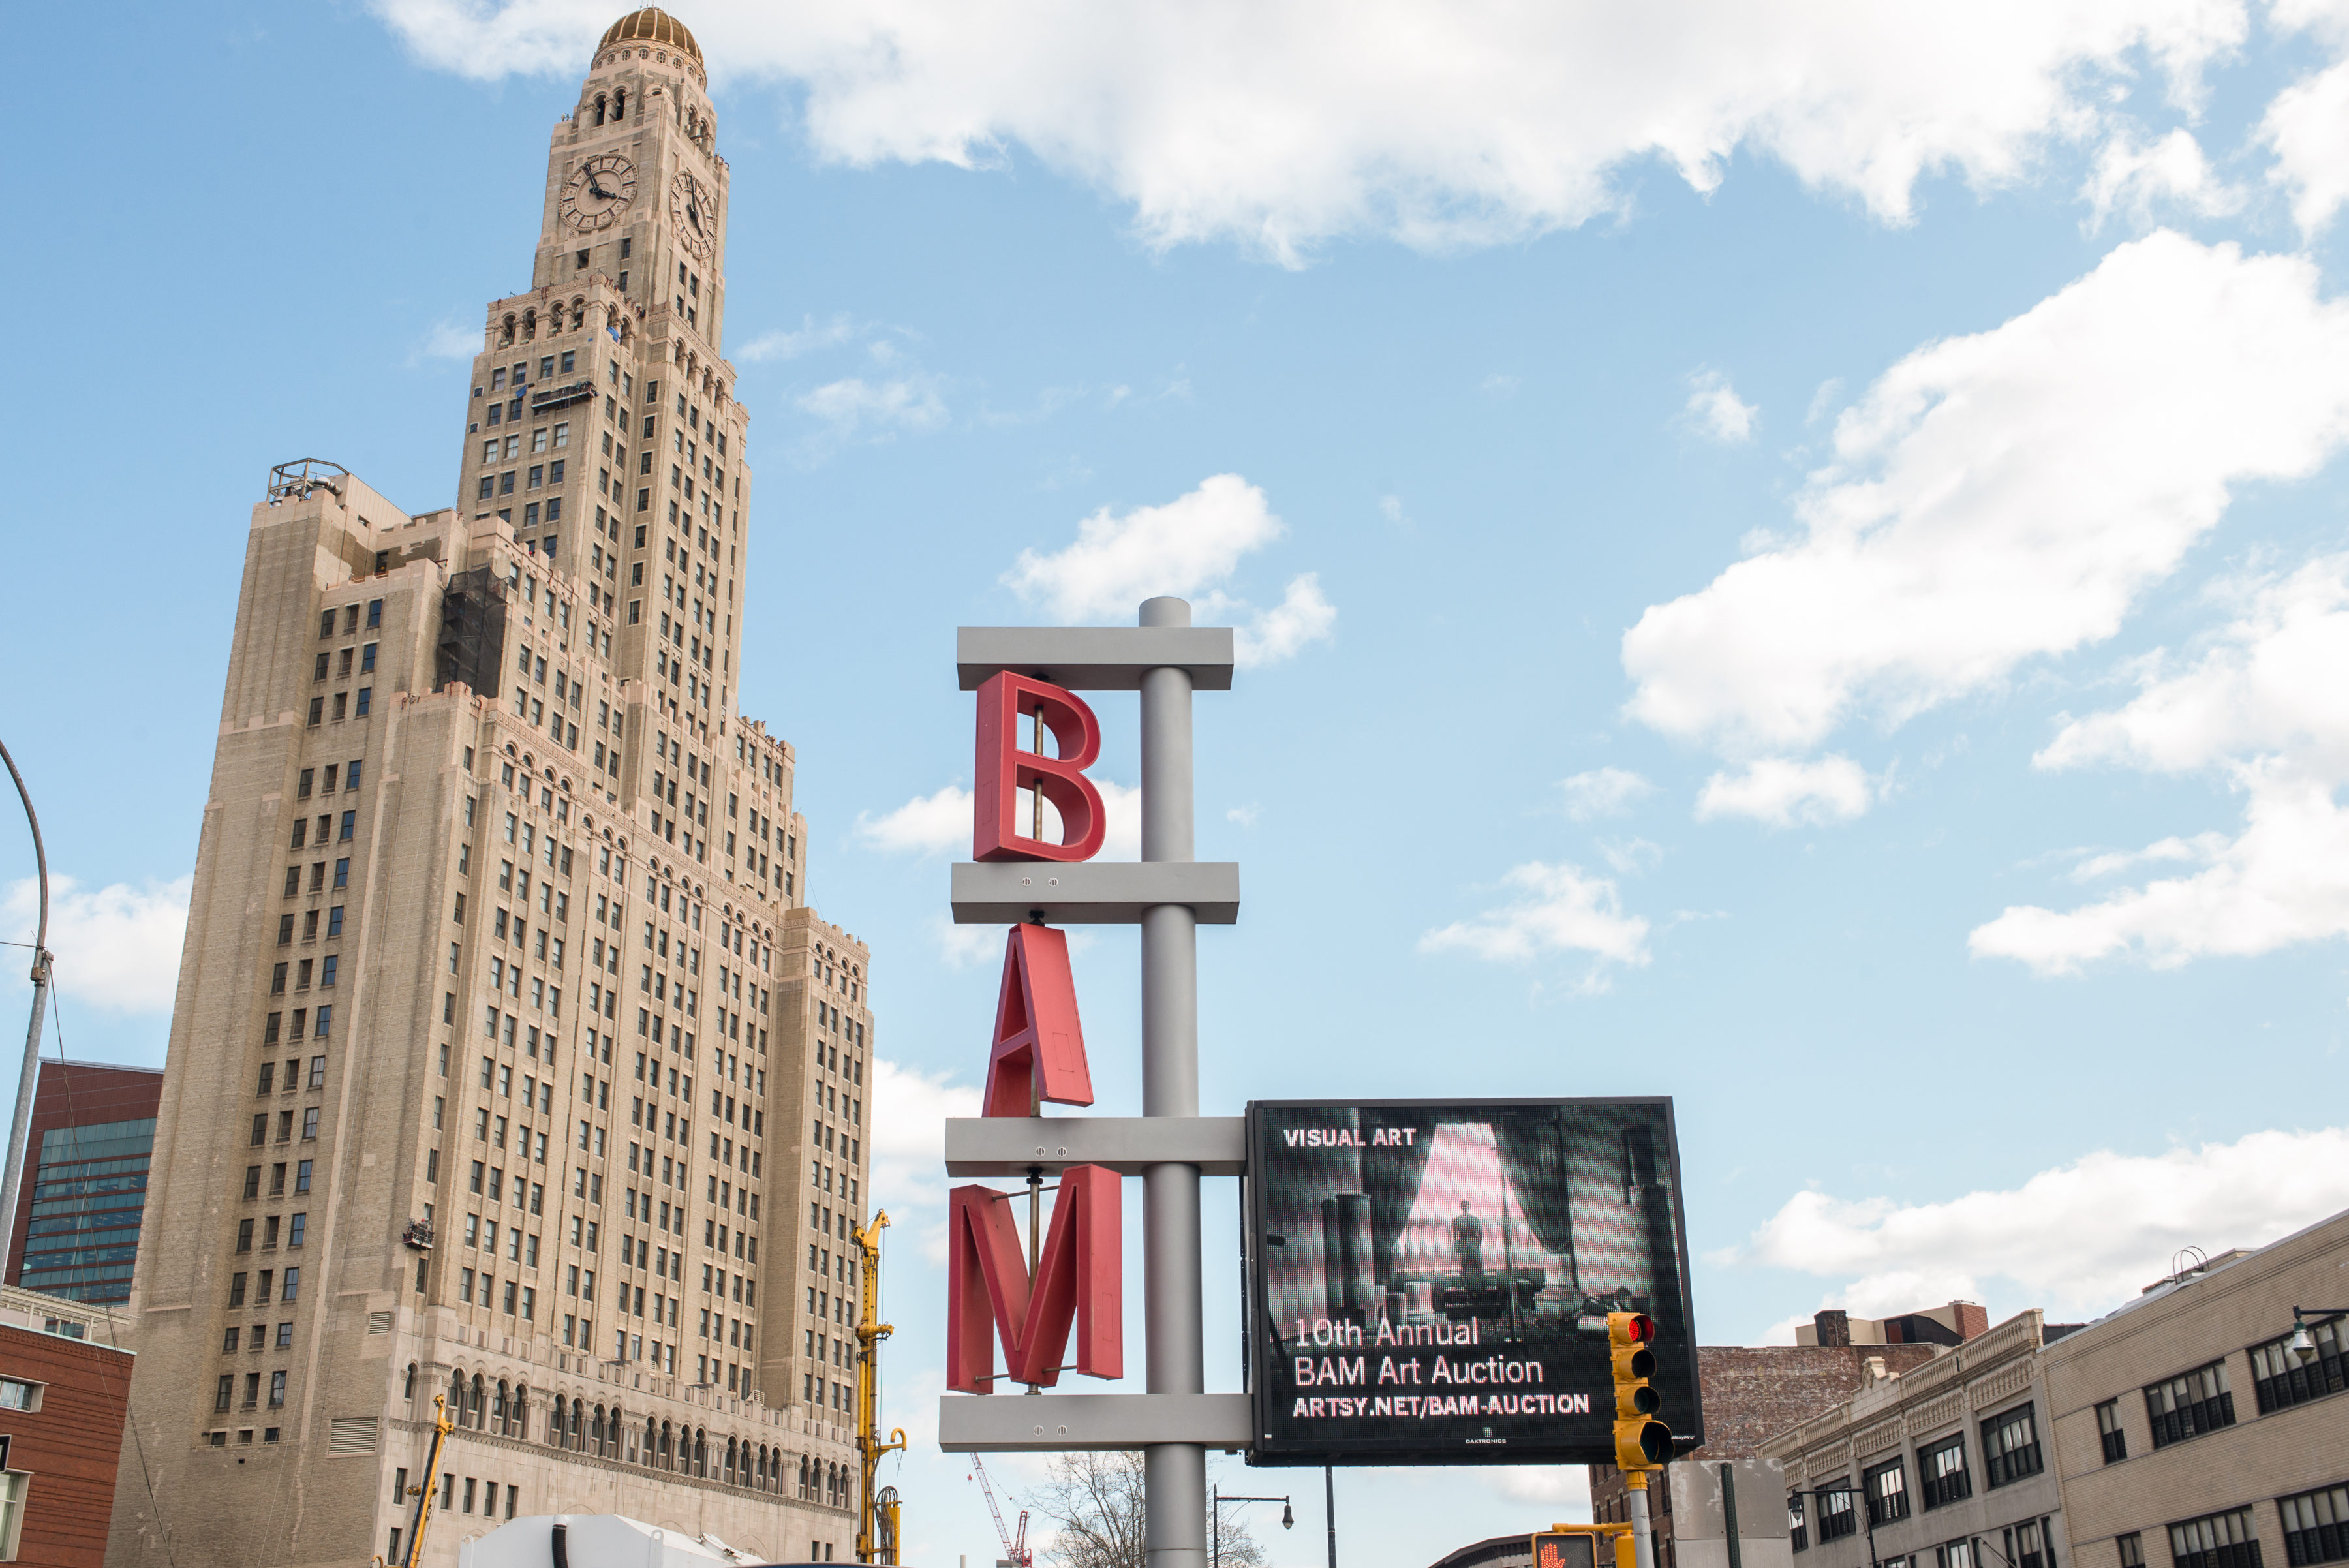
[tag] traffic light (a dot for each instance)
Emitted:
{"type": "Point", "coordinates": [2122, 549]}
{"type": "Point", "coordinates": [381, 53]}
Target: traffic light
{"type": "Point", "coordinates": [1641, 1442]}
{"type": "Point", "coordinates": [1584, 1546]}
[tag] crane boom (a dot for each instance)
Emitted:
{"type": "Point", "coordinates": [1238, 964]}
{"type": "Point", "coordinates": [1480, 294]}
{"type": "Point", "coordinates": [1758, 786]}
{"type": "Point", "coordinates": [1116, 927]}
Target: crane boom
{"type": "Point", "coordinates": [876, 1518]}
{"type": "Point", "coordinates": [1015, 1547]}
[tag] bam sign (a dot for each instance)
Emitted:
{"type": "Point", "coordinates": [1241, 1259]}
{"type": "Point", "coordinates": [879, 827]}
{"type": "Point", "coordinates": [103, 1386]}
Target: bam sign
{"type": "Point", "coordinates": [1033, 872]}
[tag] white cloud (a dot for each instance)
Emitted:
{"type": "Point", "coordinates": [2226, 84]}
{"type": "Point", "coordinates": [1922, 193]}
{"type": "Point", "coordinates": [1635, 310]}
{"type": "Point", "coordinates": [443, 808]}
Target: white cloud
{"type": "Point", "coordinates": [2134, 178]}
{"type": "Point", "coordinates": [1564, 1488]}
{"type": "Point", "coordinates": [910, 1109]}
{"type": "Point", "coordinates": [1782, 792]}
{"type": "Point", "coordinates": [1561, 909]}
{"type": "Point", "coordinates": [1716, 409]}
{"type": "Point", "coordinates": [116, 948]}
{"type": "Point", "coordinates": [784, 343]}
{"type": "Point", "coordinates": [1191, 542]}
{"type": "Point", "coordinates": [448, 341]}
{"type": "Point", "coordinates": [2282, 881]}
{"type": "Point", "coordinates": [2262, 707]}
{"type": "Point", "coordinates": [2202, 847]}
{"type": "Point", "coordinates": [1245, 815]}
{"type": "Point", "coordinates": [2077, 1239]}
{"type": "Point", "coordinates": [2268, 683]}
{"type": "Point", "coordinates": [1280, 125]}
{"type": "Point", "coordinates": [1302, 616]}
{"type": "Point", "coordinates": [2008, 495]}
{"type": "Point", "coordinates": [1631, 857]}
{"type": "Point", "coordinates": [926, 824]}
{"type": "Point", "coordinates": [2307, 124]}
{"type": "Point", "coordinates": [1603, 792]}
{"type": "Point", "coordinates": [853, 405]}
{"type": "Point", "coordinates": [967, 947]}
{"type": "Point", "coordinates": [940, 824]}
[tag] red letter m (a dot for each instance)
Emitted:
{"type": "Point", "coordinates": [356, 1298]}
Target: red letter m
{"type": "Point", "coordinates": [1080, 1281]}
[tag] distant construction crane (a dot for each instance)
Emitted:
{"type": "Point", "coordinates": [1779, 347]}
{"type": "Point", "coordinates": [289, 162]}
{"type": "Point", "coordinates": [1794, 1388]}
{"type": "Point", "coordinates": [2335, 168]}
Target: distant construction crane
{"type": "Point", "coordinates": [1015, 1546]}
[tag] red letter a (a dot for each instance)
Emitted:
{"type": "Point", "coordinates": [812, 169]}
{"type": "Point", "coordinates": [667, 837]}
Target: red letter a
{"type": "Point", "coordinates": [1079, 1281]}
{"type": "Point", "coordinates": [1005, 769]}
{"type": "Point", "coordinates": [1039, 1047]}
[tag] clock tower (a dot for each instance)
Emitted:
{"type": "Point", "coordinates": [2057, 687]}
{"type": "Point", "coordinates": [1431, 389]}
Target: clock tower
{"type": "Point", "coordinates": [511, 1073]}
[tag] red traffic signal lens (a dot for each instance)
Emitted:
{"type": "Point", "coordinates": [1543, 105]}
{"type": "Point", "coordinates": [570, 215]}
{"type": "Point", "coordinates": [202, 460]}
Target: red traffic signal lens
{"type": "Point", "coordinates": [1630, 1328]}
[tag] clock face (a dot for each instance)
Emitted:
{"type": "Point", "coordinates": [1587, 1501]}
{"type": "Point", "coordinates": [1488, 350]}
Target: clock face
{"type": "Point", "coordinates": [695, 211]}
{"type": "Point", "coordinates": [598, 192]}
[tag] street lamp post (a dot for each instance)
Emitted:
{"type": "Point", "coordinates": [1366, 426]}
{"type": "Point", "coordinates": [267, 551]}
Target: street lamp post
{"type": "Point", "coordinates": [1867, 1516]}
{"type": "Point", "coordinates": [20, 1128]}
{"type": "Point", "coordinates": [1215, 1501]}
{"type": "Point", "coordinates": [2303, 1344]}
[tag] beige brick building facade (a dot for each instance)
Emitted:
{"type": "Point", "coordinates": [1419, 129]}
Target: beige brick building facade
{"type": "Point", "coordinates": [1943, 1465]}
{"type": "Point", "coordinates": [2189, 1436]}
{"type": "Point", "coordinates": [508, 1061]}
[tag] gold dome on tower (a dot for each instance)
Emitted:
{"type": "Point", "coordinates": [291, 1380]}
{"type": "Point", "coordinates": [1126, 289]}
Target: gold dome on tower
{"type": "Point", "coordinates": [652, 26]}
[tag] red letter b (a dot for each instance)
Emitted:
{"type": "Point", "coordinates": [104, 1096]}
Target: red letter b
{"type": "Point", "coordinates": [1005, 769]}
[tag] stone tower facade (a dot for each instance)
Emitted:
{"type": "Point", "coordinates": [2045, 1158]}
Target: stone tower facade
{"type": "Point", "coordinates": [510, 1063]}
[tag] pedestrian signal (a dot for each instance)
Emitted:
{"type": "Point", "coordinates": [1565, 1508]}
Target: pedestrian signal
{"type": "Point", "coordinates": [1641, 1442]}
{"type": "Point", "coordinates": [1584, 1546]}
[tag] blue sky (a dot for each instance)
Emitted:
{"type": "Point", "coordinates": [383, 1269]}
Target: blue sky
{"type": "Point", "coordinates": [1794, 558]}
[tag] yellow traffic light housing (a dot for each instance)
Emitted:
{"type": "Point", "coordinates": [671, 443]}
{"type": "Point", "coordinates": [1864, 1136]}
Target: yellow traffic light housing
{"type": "Point", "coordinates": [1584, 1546]}
{"type": "Point", "coordinates": [1642, 1443]}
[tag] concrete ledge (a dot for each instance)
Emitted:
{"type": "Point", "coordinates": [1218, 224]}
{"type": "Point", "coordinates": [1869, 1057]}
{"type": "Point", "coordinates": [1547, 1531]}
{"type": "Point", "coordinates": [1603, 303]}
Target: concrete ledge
{"type": "Point", "coordinates": [1094, 657]}
{"type": "Point", "coordinates": [1093, 892]}
{"type": "Point", "coordinates": [1014, 1423]}
{"type": "Point", "coordinates": [1007, 1145]}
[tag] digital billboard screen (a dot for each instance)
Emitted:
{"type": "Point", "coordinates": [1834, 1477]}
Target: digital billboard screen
{"type": "Point", "coordinates": [1424, 1277]}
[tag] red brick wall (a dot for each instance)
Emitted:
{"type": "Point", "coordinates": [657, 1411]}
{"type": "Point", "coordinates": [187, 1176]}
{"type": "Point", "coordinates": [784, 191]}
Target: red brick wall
{"type": "Point", "coordinates": [78, 1093]}
{"type": "Point", "coordinates": [69, 1444]}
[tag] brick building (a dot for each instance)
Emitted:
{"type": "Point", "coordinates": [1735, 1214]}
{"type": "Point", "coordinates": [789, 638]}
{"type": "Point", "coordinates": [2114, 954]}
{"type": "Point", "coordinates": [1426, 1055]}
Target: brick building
{"type": "Point", "coordinates": [1751, 1393]}
{"type": "Point", "coordinates": [63, 1391]}
{"type": "Point", "coordinates": [1941, 1465]}
{"type": "Point", "coordinates": [2191, 1433]}
{"type": "Point", "coordinates": [85, 1180]}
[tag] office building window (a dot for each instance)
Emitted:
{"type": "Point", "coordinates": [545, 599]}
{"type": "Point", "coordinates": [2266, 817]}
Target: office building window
{"type": "Point", "coordinates": [2131, 1548]}
{"type": "Point", "coordinates": [1837, 1518]}
{"type": "Point", "coordinates": [2030, 1544]}
{"type": "Point", "coordinates": [2215, 1540]}
{"type": "Point", "coordinates": [1887, 1490]}
{"type": "Point", "coordinates": [1955, 1554]}
{"type": "Point", "coordinates": [2189, 1405]}
{"type": "Point", "coordinates": [2109, 1428]}
{"type": "Point", "coordinates": [1941, 1470]}
{"type": "Point", "coordinates": [2280, 1379]}
{"type": "Point", "coordinates": [2315, 1526]}
{"type": "Point", "coordinates": [2011, 1446]}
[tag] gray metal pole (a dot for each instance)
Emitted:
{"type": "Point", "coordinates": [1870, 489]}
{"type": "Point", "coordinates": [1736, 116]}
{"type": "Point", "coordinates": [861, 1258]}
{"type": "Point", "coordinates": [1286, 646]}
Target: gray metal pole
{"type": "Point", "coordinates": [1330, 1508]}
{"type": "Point", "coordinates": [1175, 1474]}
{"type": "Point", "coordinates": [20, 1126]}
{"type": "Point", "coordinates": [1643, 1543]}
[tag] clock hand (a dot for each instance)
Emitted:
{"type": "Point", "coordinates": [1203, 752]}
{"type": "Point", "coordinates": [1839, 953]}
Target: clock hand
{"type": "Point", "coordinates": [597, 189]}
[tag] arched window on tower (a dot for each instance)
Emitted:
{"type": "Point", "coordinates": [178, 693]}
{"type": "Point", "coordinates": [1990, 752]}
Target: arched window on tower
{"type": "Point", "coordinates": [620, 104]}
{"type": "Point", "coordinates": [599, 108]}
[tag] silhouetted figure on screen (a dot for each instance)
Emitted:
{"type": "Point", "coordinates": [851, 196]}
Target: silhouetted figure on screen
{"type": "Point", "coordinates": [1468, 1241]}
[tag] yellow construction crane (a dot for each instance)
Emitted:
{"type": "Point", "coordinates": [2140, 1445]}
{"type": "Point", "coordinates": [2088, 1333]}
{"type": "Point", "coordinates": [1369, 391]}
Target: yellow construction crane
{"type": "Point", "coordinates": [873, 1544]}
{"type": "Point", "coordinates": [442, 1423]}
